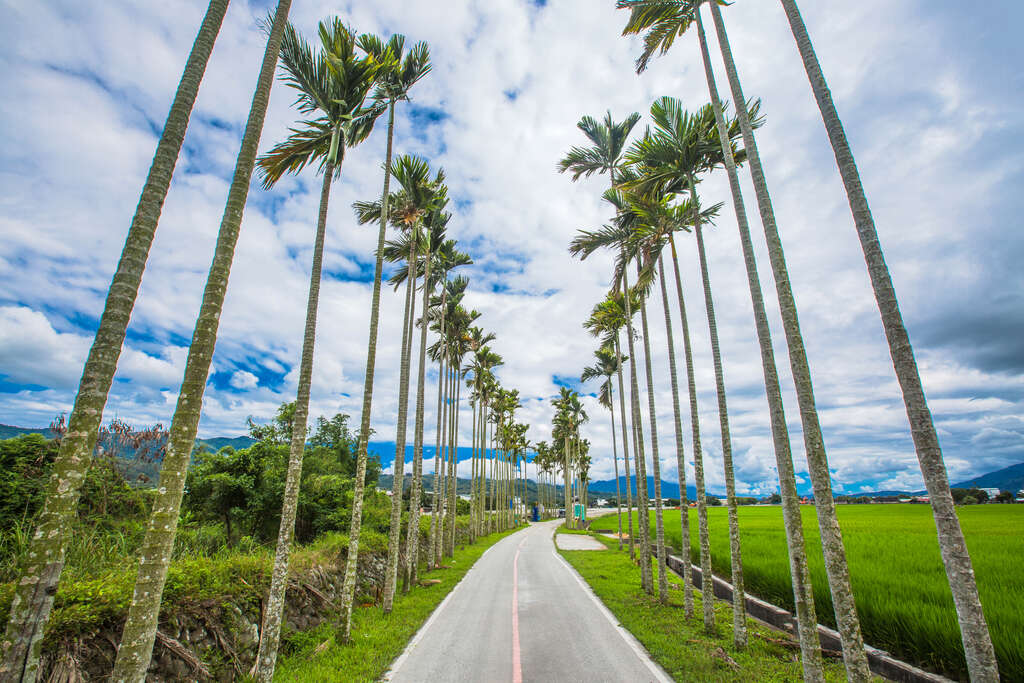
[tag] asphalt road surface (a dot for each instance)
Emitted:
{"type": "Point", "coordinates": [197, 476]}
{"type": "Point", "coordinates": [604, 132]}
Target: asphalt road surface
{"type": "Point", "coordinates": [522, 614]}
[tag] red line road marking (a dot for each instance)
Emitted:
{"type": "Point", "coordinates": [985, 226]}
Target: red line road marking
{"type": "Point", "coordinates": [517, 662]}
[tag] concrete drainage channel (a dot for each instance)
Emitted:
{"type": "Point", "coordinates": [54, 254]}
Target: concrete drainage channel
{"type": "Point", "coordinates": [880, 661]}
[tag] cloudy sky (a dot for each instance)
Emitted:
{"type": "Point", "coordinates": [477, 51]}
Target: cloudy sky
{"type": "Point", "coordinates": [930, 91]}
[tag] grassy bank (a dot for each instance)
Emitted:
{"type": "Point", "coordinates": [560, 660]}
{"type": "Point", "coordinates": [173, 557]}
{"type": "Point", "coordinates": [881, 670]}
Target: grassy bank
{"type": "Point", "coordinates": [377, 638]}
{"type": "Point", "coordinates": [902, 594]}
{"type": "Point", "coordinates": [679, 645]}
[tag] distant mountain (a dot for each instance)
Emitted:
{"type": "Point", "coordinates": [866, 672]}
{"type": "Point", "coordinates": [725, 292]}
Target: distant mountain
{"type": "Point", "coordinates": [882, 494]}
{"type": "Point", "coordinates": [218, 442]}
{"type": "Point", "coordinates": [386, 481]}
{"type": "Point", "coordinates": [385, 452]}
{"type": "Point", "coordinates": [669, 489]}
{"type": "Point", "coordinates": [9, 431]}
{"type": "Point", "coordinates": [1007, 479]}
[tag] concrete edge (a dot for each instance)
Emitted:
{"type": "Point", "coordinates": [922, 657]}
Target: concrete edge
{"type": "Point", "coordinates": [880, 661]}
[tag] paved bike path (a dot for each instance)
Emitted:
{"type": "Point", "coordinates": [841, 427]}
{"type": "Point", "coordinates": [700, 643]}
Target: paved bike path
{"type": "Point", "coordinates": [523, 614]}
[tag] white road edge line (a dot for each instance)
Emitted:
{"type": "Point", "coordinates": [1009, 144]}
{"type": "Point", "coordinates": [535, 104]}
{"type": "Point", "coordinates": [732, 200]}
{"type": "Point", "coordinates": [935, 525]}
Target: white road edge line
{"type": "Point", "coordinates": [634, 644]}
{"type": "Point", "coordinates": [397, 664]}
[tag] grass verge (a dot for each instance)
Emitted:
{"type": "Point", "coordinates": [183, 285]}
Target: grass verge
{"type": "Point", "coordinates": [679, 645]}
{"type": "Point", "coordinates": [377, 638]}
{"type": "Point", "coordinates": [899, 583]}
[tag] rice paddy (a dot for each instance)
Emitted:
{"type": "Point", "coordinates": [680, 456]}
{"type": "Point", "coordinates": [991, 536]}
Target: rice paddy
{"type": "Point", "coordinates": [899, 583]}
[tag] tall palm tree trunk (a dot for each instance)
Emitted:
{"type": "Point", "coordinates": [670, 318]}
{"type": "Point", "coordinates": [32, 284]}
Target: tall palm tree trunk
{"type": "Point", "coordinates": [472, 478]}
{"type": "Point", "coordinates": [817, 461]}
{"type": "Point", "coordinates": [155, 555]}
{"type": "Point", "coordinates": [412, 544]}
{"type": "Point", "coordinates": [359, 485]}
{"type": "Point", "coordinates": [398, 481]}
{"type": "Point", "coordinates": [615, 461]}
{"type": "Point", "coordinates": [659, 522]}
{"type": "Point", "coordinates": [449, 400]}
{"type": "Point", "coordinates": [644, 519]}
{"type": "Point", "coordinates": [981, 658]}
{"type": "Point", "coordinates": [33, 600]}
{"type": "Point", "coordinates": [481, 469]}
{"type": "Point", "coordinates": [453, 497]}
{"type": "Point", "coordinates": [803, 597]}
{"type": "Point", "coordinates": [445, 454]}
{"type": "Point", "coordinates": [569, 512]}
{"type": "Point", "coordinates": [625, 450]}
{"type": "Point", "coordinates": [739, 605]}
{"type": "Point", "coordinates": [493, 512]}
{"type": "Point", "coordinates": [684, 517]}
{"type": "Point", "coordinates": [435, 517]}
{"type": "Point", "coordinates": [270, 636]}
{"type": "Point", "coordinates": [479, 484]}
{"type": "Point", "coordinates": [703, 533]}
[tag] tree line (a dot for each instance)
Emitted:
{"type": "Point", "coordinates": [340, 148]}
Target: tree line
{"type": "Point", "coordinates": [653, 196]}
{"type": "Point", "coordinates": [344, 83]}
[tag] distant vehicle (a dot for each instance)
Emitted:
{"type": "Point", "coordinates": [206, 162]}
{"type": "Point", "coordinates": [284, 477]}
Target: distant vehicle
{"type": "Point", "coordinates": [561, 512]}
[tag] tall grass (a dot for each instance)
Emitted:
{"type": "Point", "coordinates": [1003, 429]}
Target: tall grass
{"type": "Point", "coordinates": [900, 587]}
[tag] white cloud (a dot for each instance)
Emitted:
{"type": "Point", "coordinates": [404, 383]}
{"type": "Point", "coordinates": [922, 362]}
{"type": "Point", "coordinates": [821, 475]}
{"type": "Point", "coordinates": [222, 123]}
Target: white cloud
{"type": "Point", "coordinates": [244, 380]}
{"type": "Point", "coordinates": [76, 140]}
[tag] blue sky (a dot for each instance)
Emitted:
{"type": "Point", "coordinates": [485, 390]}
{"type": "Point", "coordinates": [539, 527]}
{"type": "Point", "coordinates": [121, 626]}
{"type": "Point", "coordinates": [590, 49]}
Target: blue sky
{"type": "Point", "coordinates": [930, 92]}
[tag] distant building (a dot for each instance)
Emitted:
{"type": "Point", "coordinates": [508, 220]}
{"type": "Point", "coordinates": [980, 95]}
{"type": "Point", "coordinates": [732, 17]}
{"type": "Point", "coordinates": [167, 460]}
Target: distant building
{"type": "Point", "coordinates": [603, 503]}
{"type": "Point", "coordinates": [920, 499]}
{"type": "Point", "coordinates": [992, 493]}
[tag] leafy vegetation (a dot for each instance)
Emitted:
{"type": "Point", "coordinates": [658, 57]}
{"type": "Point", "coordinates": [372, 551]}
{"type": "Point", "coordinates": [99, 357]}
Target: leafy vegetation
{"type": "Point", "coordinates": [243, 488]}
{"type": "Point", "coordinates": [902, 594]}
{"type": "Point", "coordinates": [232, 504]}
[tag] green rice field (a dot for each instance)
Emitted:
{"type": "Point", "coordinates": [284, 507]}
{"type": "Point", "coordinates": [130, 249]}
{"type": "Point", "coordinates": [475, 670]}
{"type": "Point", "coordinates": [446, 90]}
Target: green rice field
{"type": "Point", "coordinates": [900, 586]}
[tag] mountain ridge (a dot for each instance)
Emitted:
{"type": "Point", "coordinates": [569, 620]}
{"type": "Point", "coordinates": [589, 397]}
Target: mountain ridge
{"type": "Point", "coordinates": [1010, 478]}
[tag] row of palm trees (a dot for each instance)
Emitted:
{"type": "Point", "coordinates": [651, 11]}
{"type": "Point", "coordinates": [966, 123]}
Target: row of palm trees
{"type": "Point", "coordinates": [654, 193]}
{"type": "Point", "coordinates": [344, 82]}
{"type": "Point", "coordinates": [568, 452]}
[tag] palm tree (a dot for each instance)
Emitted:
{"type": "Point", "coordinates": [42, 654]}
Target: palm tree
{"type": "Point", "coordinates": [33, 600]}
{"type": "Point", "coordinates": [436, 222]}
{"type": "Point", "coordinates": [981, 659]}
{"type": "Point", "coordinates": [458, 349]}
{"type": "Point", "coordinates": [607, 365]}
{"type": "Point", "coordinates": [400, 73]}
{"type": "Point", "coordinates": [632, 219]}
{"type": "Point", "coordinates": [136, 647]}
{"type": "Point", "coordinates": [666, 22]}
{"type": "Point", "coordinates": [609, 141]}
{"type": "Point", "coordinates": [739, 598]}
{"type": "Point", "coordinates": [608, 318]}
{"type": "Point", "coordinates": [659, 523]}
{"type": "Point", "coordinates": [679, 144]}
{"type": "Point", "coordinates": [333, 84]}
{"type": "Point", "coordinates": [451, 294]}
{"type": "Point", "coordinates": [617, 238]}
{"type": "Point", "coordinates": [488, 388]}
{"type": "Point", "coordinates": [657, 221]}
{"type": "Point", "coordinates": [482, 362]}
{"type": "Point", "coordinates": [418, 197]}
{"type": "Point", "coordinates": [568, 419]}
